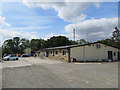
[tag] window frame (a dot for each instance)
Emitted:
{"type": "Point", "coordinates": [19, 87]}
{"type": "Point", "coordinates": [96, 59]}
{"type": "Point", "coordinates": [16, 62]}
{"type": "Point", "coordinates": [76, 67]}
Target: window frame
{"type": "Point", "coordinates": [56, 52]}
{"type": "Point", "coordinates": [51, 52]}
{"type": "Point", "coordinates": [64, 52]}
{"type": "Point", "coordinates": [114, 53]}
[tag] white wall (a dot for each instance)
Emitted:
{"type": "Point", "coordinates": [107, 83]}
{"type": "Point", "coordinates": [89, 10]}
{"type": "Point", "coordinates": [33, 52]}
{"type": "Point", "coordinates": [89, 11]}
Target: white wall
{"type": "Point", "coordinates": [77, 52]}
{"type": "Point", "coordinates": [90, 52]}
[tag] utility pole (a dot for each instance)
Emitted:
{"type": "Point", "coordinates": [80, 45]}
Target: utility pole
{"type": "Point", "coordinates": [87, 37]}
{"type": "Point", "coordinates": [74, 34]}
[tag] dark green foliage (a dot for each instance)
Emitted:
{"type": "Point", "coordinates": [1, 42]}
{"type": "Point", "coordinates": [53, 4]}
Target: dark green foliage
{"type": "Point", "coordinates": [17, 45]}
{"type": "Point", "coordinates": [36, 44]}
{"type": "Point", "coordinates": [82, 41]}
{"type": "Point", "coordinates": [59, 41]}
{"type": "Point", "coordinates": [110, 42]}
{"type": "Point", "coordinates": [114, 40]}
{"type": "Point", "coordinates": [14, 46]}
{"type": "Point", "coordinates": [116, 35]}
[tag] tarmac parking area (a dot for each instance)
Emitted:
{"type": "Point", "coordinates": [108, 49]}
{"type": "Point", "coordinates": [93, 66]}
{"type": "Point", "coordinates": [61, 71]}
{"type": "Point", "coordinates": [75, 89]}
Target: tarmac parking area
{"type": "Point", "coordinates": [44, 73]}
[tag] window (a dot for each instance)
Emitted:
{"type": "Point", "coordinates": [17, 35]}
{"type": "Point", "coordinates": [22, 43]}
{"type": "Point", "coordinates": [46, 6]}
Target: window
{"type": "Point", "coordinates": [51, 52]}
{"type": "Point", "coordinates": [114, 53]}
{"type": "Point", "coordinates": [64, 52]}
{"type": "Point", "coordinates": [98, 46]}
{"type": "Point", "coordinates": [56, 52]}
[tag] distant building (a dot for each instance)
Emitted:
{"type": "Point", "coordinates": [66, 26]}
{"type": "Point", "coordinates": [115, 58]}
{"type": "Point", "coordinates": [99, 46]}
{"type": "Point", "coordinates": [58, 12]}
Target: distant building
{"type": "Point", "coordinates": [83, 52]}
{"type": "Point", "coordinates": [27, 51]}
{"type": "Point", "coordinates": [40, 54]}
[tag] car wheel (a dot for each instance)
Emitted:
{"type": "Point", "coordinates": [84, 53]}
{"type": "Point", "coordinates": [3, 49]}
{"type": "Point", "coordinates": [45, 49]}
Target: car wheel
{"type": "Point", "coordinates": [16, 58]}
{"type": "Point", "coordinates": [8, 59]}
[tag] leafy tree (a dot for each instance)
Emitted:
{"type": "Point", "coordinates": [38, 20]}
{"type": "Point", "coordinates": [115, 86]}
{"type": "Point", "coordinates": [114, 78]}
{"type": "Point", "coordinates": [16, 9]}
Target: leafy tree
{"type": "Point", "coordinates": [18, 45]}
{"type": "Point", "coordinates": [114, 41]}
{"type": "Point", "coordinates": [8, 46]}
{"type": "Point", "coordinates": [36, 44]}
{"type": "Point", "coordinates": [58, 41]}
{"type": "Point", "coordinates": [116, 35]}
{"type": "Point", "coordinates": [24, 44]}
{"type": "Point", "coordinates": [73, 42]}
{"type": "Point", "coordinates": [14, 46]}
{"type": "Point", "coordinates": [82, 41]}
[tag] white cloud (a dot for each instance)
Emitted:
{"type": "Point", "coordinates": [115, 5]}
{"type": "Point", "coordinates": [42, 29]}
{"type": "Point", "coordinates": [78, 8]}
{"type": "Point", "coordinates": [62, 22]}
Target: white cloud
{"type": "Point", "coordinates": [95, 28]}
{"type": "Point", "coordinates": [29, 28]}
{"type": "Point", "coordinates": [53, 34]}
{"type": "Point", "coordinates": [9, 34]}
{"type": "Point", "coordinates": [6, 34]}
{"type": "Point", "coordinates": [68, 11]}
{"type": "Point", "coordinates": [15, 32]}
{"type": "Point", "coordinates": [2, 22]}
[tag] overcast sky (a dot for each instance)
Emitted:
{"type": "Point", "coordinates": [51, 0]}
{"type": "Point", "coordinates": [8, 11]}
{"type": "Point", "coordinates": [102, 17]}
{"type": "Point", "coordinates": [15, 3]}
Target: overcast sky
{"type": "Point", "coordinates": [91, 20]}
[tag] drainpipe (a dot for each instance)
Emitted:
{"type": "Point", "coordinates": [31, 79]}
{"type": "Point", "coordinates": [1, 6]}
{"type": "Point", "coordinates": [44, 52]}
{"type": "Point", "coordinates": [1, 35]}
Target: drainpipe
{"type": "Point", "coordinates": [68, 54]}
{"type": "Point", "coordinates": [84, 53]}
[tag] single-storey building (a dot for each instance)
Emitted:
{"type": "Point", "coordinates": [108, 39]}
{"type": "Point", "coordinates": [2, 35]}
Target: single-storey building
{"type": "Point", "coordinates": [40, 53]}
{"type": "Point", "coordinates": [83, 52]}
{"type": "Point", "coordinates": [27, 51]}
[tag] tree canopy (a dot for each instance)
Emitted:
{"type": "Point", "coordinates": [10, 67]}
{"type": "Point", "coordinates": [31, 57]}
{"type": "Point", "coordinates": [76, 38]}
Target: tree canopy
{"type": "Point", "coordinates": [18, 45]}
{"type": "Point", "coordinates": [114, 40]}
{"type": "Point", "coordinates": [58, 41]}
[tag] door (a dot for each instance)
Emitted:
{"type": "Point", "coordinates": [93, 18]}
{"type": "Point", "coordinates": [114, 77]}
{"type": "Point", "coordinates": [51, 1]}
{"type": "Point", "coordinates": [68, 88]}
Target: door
{"type": "Point", "coordinates": [47, 53]}
{"type": "Point", "coordinates": [110, 56]}
{"type": "Point", "coordinates": [12, 57]}
{"type": "Point", "coordinates": [118, 55]}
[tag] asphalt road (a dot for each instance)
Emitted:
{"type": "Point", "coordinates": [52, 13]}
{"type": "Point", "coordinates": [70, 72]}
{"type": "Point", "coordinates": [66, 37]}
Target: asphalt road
{"type": "Point", "coordinates": [38, 73]}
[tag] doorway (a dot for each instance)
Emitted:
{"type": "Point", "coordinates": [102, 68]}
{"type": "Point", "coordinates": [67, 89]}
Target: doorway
{"type": "Point", "coordinates": [110, 56]}
{"type": "Point", "coordinates": [118, 55]}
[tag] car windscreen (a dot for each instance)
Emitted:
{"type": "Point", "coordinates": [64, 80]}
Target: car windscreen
{"type": "Point", "coordinates": [13, 56]}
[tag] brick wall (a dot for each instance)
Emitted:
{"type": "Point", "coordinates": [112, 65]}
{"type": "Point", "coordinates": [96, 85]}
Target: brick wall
{"type": "Point", "coordinates": [60, 54]}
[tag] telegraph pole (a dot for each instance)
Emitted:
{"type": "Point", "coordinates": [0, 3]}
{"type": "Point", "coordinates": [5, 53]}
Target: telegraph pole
{"type": "Point", "coordinates": [87, 38]}
{"type": "Point", "coordinates": [74, 34]}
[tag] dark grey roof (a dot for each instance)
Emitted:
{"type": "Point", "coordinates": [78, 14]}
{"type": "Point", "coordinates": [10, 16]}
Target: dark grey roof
{"type": "Point", "coordinates": [69, 46]}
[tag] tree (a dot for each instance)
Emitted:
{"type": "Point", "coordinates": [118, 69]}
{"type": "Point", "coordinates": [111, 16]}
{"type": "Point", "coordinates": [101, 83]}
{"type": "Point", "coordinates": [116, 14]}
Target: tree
{"type": "Point", "coordinates": [116, 35]}
{"type": "Point", "coordinates": [14, 46]}
{"type": "Point", "coordinates": [114, 40]}
{"type": "Point", "coordinates": [24, 44]}
{"type": "Point", "coordinates": [82, 41]}
{"type": "Point", "coordinates": [8, 46]}
{"type": "Point", "coordinates": [18, 45]}
{"type": "Point", "coordinates": [36, 44]}
{"type": "Point", "coordinates": [73, 42]}
{"type": "Point", "coordinates": [56, 41]}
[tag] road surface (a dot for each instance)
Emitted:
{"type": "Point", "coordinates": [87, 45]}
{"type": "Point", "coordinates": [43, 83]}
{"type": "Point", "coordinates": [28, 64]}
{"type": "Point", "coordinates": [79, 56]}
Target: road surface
{"type": "Point", "coordinates": [38, 73]}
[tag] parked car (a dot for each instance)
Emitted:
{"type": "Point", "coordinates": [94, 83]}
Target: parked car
{"type": "Point", "coordinates": [24, 55]}
{"type": "Point", "coordinates": [10, 57]}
